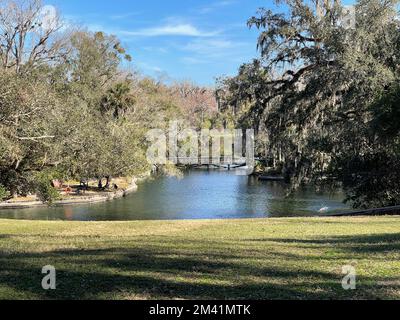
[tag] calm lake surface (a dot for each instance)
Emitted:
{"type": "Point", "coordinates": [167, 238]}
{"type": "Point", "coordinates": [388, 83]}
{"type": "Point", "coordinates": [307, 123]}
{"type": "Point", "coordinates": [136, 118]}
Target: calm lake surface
{"type": "Point", "coordinates": [198, 195]}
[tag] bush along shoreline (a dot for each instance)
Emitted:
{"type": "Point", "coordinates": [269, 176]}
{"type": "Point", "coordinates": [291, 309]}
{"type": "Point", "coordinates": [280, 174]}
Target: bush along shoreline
{"type": "Point", "coordinates": [75, 194]}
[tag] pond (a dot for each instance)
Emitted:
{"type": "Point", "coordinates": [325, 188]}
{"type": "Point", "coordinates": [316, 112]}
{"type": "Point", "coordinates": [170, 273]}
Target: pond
{"type": "Point", "coordinates": [200, 194]}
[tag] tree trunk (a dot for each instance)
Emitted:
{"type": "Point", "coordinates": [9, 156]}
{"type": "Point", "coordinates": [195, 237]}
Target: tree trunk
{"type": "Point", "coordinates": [107, 186]}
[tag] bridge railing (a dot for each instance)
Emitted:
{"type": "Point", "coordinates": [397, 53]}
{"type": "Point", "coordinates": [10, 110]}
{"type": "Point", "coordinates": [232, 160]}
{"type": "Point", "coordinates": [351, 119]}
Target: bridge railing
{"type": "Point", "coordinates": [211, 160]}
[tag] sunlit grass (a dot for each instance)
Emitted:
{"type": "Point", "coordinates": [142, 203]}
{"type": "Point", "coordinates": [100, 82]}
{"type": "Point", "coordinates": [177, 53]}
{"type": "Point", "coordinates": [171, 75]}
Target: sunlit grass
{"type": "Point", "coordinates": [239, 259]}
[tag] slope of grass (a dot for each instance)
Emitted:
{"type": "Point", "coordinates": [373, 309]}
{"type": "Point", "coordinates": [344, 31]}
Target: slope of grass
{"type": "Point", "coordinates": [240, 259]}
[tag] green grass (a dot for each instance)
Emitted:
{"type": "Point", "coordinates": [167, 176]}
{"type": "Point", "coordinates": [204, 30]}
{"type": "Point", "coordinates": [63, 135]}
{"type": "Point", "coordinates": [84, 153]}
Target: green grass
{"type": "Point", "coordinates": [241, 259]}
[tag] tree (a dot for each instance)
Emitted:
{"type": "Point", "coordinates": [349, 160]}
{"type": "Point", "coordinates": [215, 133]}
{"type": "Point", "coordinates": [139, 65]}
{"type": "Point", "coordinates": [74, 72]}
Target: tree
{"type": "Point", "coordinates": [118, 99]}
{"type": "Point", "coordinates": [94, 61]}
{"type": "Point", "coordinates": [29, 36]}
{"type": "Point", "coordinates": [310, 94]}
{"type": "Point", "coordinates": [198, 104]}
{"type": "Point", "coordinates": [30, 123]}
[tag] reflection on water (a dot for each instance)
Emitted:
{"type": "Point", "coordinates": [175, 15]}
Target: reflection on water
{"type": "Point", "coordinates": [199, 195]}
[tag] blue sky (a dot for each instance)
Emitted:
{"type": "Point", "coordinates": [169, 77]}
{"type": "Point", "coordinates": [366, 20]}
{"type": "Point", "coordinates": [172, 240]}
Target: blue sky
{"type": "Point", "coordinates": [174, 39]}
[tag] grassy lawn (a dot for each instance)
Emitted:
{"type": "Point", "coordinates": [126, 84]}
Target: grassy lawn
{"type": "Point", "coordinates": [249, 259]}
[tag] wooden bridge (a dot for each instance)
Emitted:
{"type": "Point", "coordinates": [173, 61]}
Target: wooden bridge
{"type": "Point", "coordinates": [219, 162]}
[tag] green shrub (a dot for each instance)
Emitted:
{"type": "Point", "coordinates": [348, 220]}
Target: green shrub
{"type": "Point", "coordinates": [4, 194]}
{"type": "Point", "coordinates": [47, 193]}
{"type": "Point", "coordinates": [44, 190]}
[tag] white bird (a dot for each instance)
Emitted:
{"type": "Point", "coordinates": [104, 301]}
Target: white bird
{"type": "Point", "coordinates": [324, 209]}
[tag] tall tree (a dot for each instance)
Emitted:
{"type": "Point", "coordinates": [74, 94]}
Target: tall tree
{"type": "Point", "coordinates": [30, 35]}
{"type": "Point", "coordinates": [310, 93]}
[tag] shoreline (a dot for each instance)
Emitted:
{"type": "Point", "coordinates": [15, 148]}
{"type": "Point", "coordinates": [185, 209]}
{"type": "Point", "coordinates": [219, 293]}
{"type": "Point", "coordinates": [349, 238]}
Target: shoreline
{"type": "Point", "coordinates": [89, 199]}
{"type": "Point", "coordinates": [200, 221]}
{"type": "Point", "coordinates": [388, 211]}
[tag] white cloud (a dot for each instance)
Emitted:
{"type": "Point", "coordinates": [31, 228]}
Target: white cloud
{"type": "Point", "coordinates": [203, 46]}
{"type": "Point", "coordinates": [216, 6]}
{"type": "Point", "coordinates": [160, 50]}
{"type": "Point", "coordinates": [213, 47]}
{"type": "Point", "coordinates": [192, 61]}
{"type": "Point", "coordinates": [124, 16]}
{"type": "Point", "coordinates": [149, 67]}
{"type": "Point", "coordinates": [170, 30]}
{"type": "Point", "coordinates": [215, 50]}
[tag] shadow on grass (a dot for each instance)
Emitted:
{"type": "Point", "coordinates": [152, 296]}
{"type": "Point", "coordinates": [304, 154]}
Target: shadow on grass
{"type": "Point", "coordinates": [375, 243]}
{"type": "Point", "coordinates": [170, 269]}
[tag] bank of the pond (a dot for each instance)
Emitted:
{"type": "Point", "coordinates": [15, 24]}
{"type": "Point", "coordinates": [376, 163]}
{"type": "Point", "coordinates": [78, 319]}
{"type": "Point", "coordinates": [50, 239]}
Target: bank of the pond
{"type": "Point", "coordinates": [395, 210]}
{"type": "Point", "coordinates": [287, 258]}
{"type": "Point", "coordinates": [68, 200]}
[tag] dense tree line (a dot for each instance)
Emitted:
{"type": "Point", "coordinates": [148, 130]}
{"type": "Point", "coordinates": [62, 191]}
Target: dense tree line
{"type": "Point", "coordinates": [324, 96]}
{"type": "Point", "coordinates": [68, 110]}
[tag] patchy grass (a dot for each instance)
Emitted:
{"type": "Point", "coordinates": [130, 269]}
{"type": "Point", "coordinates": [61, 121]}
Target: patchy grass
{"type": "Point", "coordinates": [239, 259]}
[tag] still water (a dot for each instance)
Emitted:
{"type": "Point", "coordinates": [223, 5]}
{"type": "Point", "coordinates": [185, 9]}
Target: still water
{"type": "Point", "coordinates": [198, 195]}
